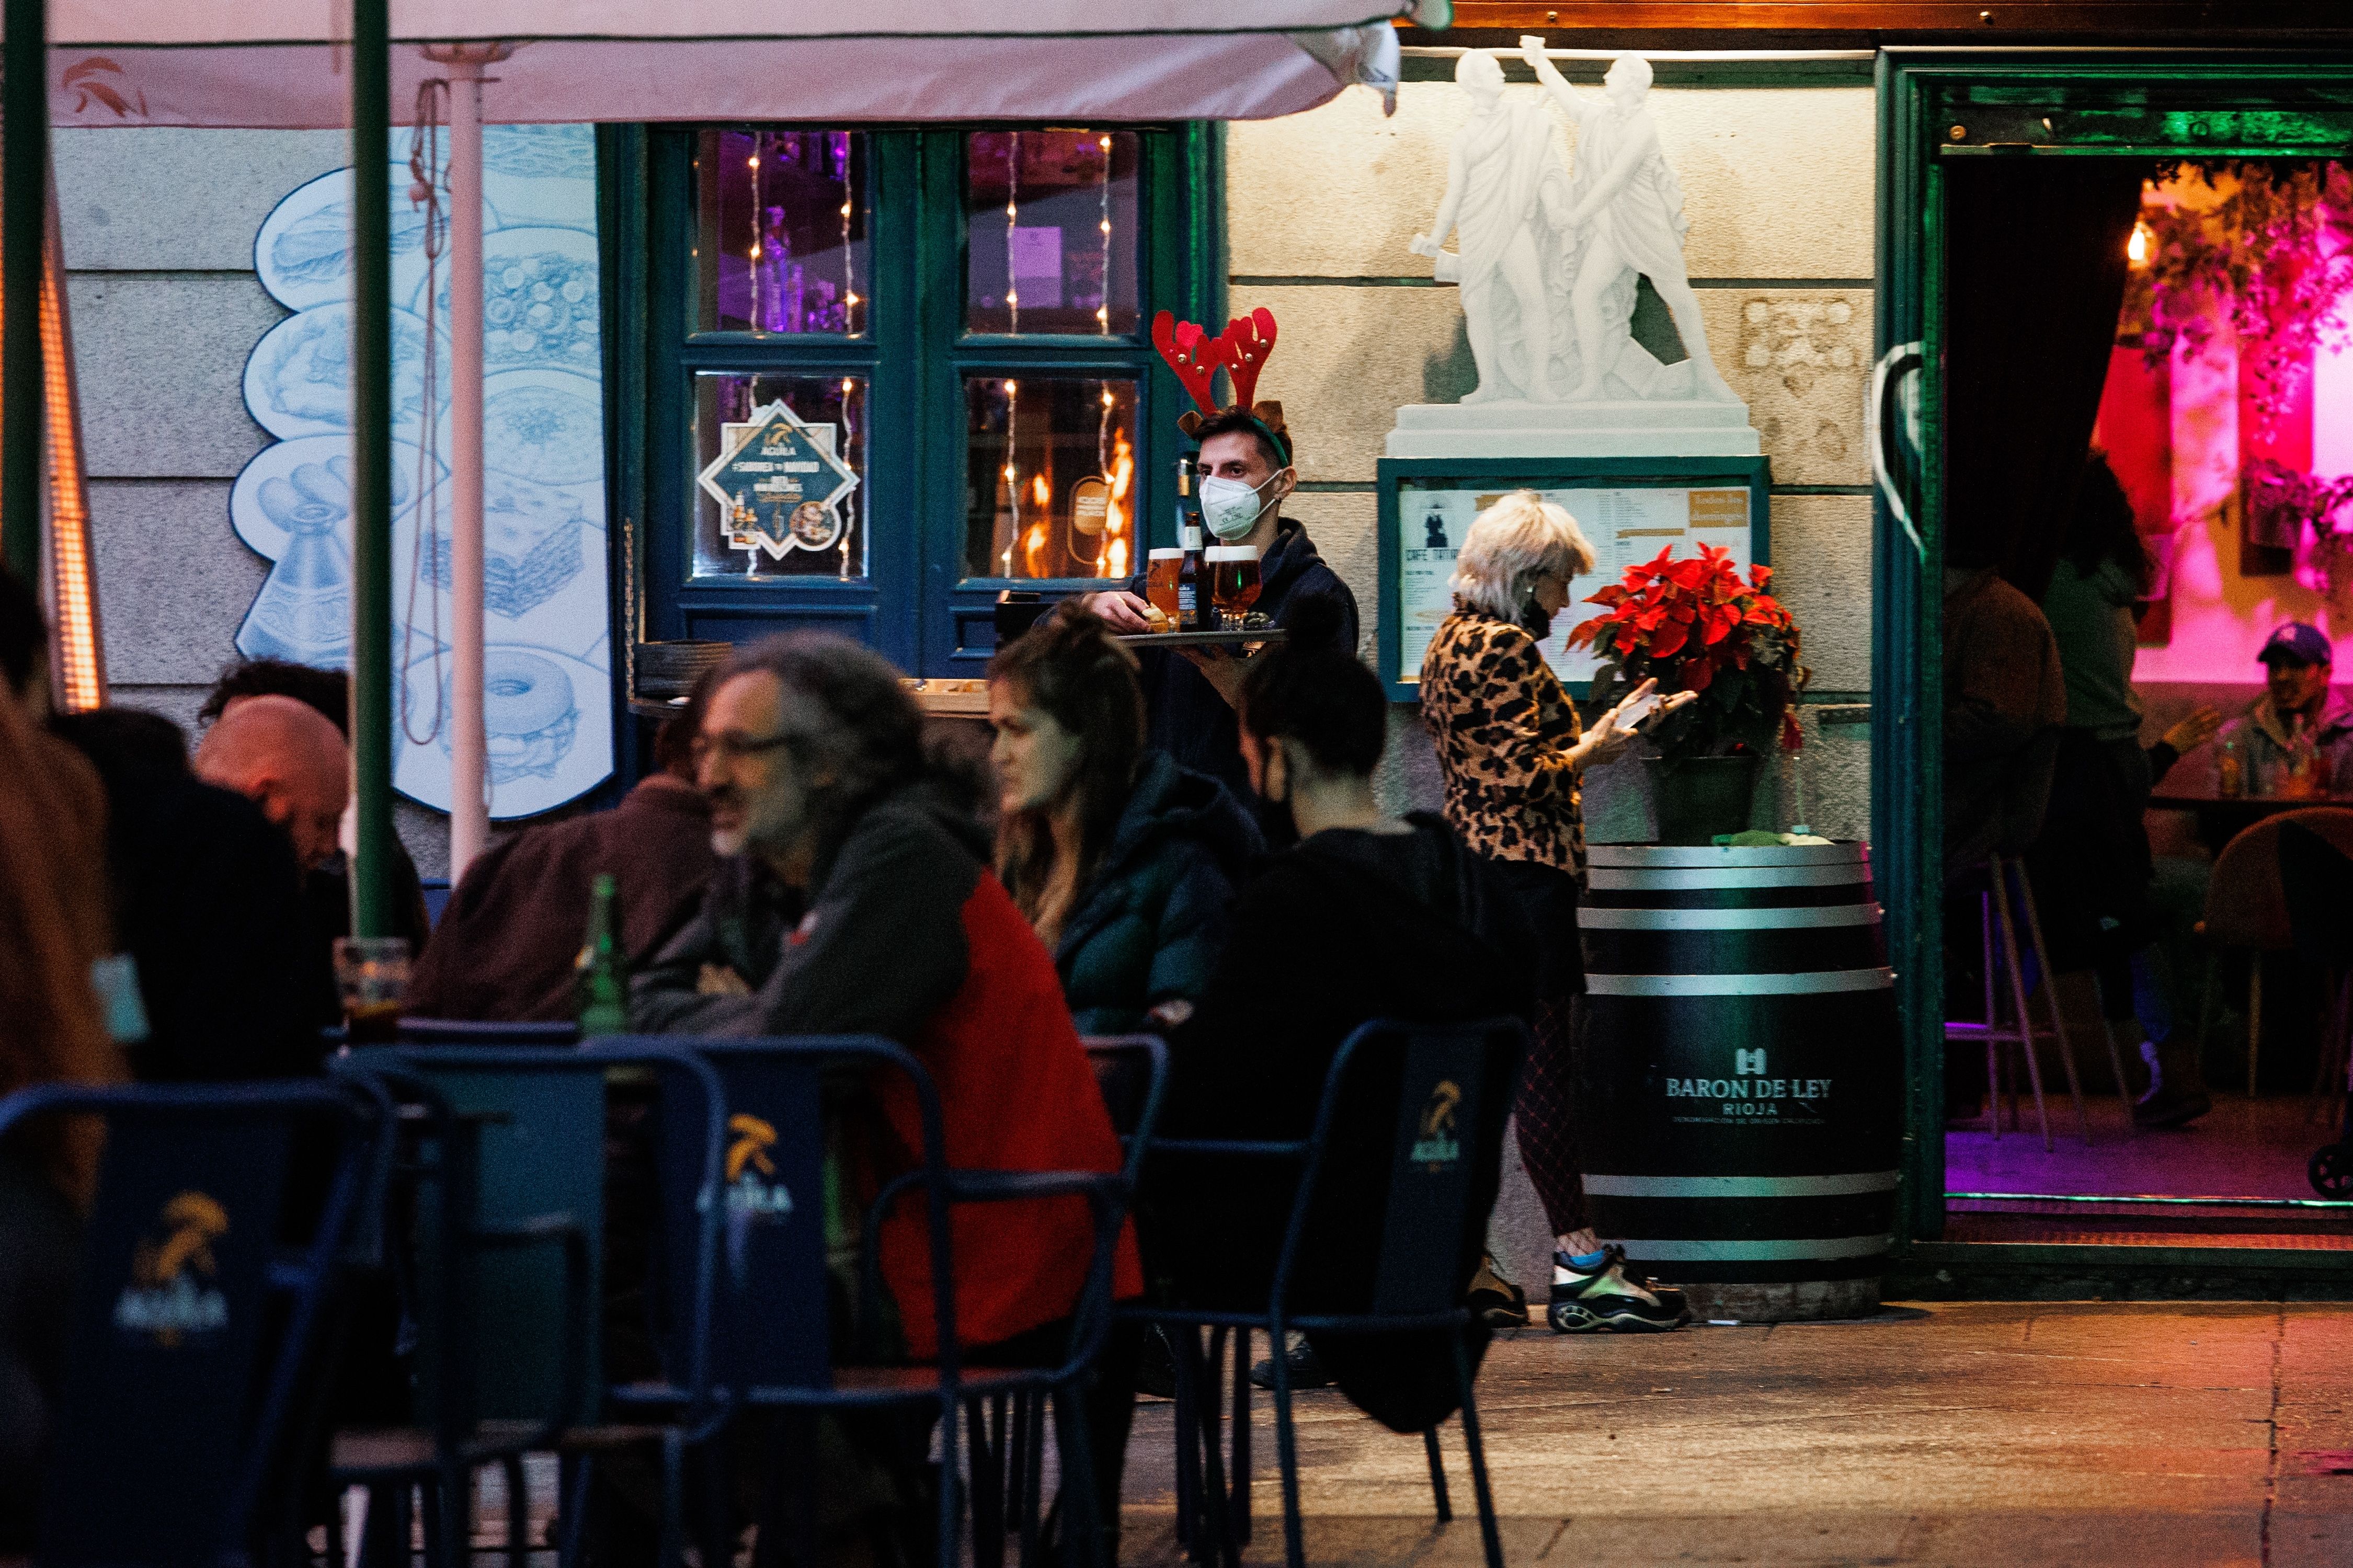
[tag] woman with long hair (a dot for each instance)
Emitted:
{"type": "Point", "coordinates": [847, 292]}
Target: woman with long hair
{"type": "Point", "coordinates": [1122, 862]}
{"type": "Point", "coordinates": [53, 926]}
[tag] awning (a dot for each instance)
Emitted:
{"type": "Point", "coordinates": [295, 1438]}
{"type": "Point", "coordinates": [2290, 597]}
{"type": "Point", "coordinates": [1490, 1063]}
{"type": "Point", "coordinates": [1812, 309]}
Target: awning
{"type": "Point", "coordinates": [282, 64]}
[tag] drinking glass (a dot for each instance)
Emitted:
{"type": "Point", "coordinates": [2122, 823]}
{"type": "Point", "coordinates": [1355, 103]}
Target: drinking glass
{"type": "Point", "coordinates": [1160, 581]}
{"type": "Point", "coordinates": [1233, 580]}
{"type": "Point", "coordinates": [372, 973]}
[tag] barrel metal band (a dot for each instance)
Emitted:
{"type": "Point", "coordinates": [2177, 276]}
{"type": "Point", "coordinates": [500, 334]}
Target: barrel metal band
{"type": "Point", "coordinates": [1851, 1185]}
{"type": "Point", "coordinates": [1604, 917]}
{"type": "Point", "coordinates": [1673, 880]}
{"type": "Point", "coordinates": [1807, 983]}
{"type": "Point", "coordinates": [1656, 856]}
{"type": "Point", "coordinates": [1757, 1251]}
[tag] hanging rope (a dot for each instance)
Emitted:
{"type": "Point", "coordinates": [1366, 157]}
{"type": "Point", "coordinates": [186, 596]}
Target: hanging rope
{"type": "Point", "coordinates": [428, 170]}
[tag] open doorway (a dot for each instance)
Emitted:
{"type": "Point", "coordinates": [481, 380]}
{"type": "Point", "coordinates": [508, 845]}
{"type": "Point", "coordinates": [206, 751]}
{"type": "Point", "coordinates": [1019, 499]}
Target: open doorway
{"type": "Point", "coordinates": [2146, 397]}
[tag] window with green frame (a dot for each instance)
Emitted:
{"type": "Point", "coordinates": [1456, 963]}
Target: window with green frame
{"type": "Point", "coordinates": [891, 371]}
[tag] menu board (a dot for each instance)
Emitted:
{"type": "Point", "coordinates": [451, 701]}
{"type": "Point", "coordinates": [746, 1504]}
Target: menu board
{"type": "Point", "coordinates": [1624, 524]}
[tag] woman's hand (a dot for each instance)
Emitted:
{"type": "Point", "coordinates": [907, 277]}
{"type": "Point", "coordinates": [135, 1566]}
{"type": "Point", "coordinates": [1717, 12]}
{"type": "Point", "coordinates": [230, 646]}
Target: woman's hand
{"type": "Point", "coordinates": [1611, 733]}
{"type": "Point", "coordinates": [2193, 731]}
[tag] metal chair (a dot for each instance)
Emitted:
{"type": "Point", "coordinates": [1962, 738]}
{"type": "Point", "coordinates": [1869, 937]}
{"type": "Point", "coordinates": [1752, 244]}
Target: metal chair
{"type": "Point", "coordinates": [484, 1032]}
{"type": "Point", "coordinates": [209, 1261]}
{"type": "Point", "coordinates": [774, 1081]}
{"type": "Point", "coordinates": [512, 1152]}
{"type": "Point", "coordinates": [2246, 908]}
{"type": "Point", "coordinates": [1443, 1080]}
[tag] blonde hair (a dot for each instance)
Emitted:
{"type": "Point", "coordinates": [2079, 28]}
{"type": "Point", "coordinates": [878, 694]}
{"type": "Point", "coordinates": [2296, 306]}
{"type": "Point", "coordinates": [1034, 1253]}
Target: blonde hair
{"type": "Point", "coordinates": [1509, 544]}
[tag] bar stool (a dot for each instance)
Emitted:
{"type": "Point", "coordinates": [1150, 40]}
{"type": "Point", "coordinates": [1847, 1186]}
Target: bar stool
{"type": "Point", "coordinates": [2000, 905]}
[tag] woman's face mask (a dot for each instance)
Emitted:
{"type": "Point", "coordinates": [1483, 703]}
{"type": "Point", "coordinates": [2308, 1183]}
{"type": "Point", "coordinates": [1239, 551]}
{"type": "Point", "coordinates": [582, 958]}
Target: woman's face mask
{"type": "Point", "coordinates": [1535, 619]}
{"type": "Point", "coordinates": [1231, 509]}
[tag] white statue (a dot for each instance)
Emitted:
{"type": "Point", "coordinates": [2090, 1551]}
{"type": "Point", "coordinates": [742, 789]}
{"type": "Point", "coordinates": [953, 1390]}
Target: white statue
{"type": "Point", "coordinates": [1630, 196]}
{"type": "Point", "coordinates": [1505, 193]}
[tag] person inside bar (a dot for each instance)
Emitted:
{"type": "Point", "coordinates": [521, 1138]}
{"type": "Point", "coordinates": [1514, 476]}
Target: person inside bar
{"type": "Point", "coordinates": [853, 896]}
{"type": "Point", "coordinates": [1191, 694]}
{"type": "Point", "coordinates": [1124, 863]}
{"type": "Point", "coordinates": [2296, 739]}
{"type": "Point", "coordinates": [510, 939]}
{"type": "Point", "coordinates": [2092, 864]}
{"type": "Point", "coordinates": [1368, 916]}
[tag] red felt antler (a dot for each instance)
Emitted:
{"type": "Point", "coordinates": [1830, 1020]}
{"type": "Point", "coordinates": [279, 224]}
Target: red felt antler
{"type": "Point", "coordinates": [1248, 340]}
{"type": "Point", "coordinates": [1192, 353]}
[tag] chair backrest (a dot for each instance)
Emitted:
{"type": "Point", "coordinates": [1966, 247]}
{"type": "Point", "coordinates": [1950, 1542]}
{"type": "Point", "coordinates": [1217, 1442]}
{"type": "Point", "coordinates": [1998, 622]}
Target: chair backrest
{"type": "Point", "coordinates": [2316, 885]}
{"type": "Point", "coordinates": [207, 1259]}
{"type": "Point", "coordinates": [482, 1032]}
{"type": "Point", "coordinates": [1130, 1071]}
{"type": "Point", "coordinates": [2245, 904]}
{"type": "Point", "coordinates": [770, 1319]}
{"type": "Point", "coordinates": [1442, 1083]}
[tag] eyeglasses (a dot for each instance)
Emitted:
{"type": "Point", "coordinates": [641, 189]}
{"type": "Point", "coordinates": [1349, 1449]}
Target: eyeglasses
{"type": "Point", "coordinates": [729, 744]}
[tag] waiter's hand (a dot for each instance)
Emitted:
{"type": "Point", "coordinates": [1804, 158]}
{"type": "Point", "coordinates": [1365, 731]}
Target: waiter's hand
{"type": "Point", "coordinates": [1221, 669]}
{"type": "Point", "coordinates": [1123, 609]}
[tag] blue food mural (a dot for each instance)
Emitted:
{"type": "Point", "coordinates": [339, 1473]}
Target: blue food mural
{"type": "Point", "coordinates": [548, 663]}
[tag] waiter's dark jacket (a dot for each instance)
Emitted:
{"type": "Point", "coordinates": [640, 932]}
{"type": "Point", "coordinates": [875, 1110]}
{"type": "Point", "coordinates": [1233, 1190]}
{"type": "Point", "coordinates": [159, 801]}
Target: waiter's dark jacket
{"type": "Point", "coordinates": [1188, 719]}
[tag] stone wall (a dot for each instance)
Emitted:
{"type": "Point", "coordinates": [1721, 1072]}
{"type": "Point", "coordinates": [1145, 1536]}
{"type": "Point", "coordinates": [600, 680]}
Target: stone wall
{"type": "Point", "coordinates": [1777, 180]}
{"type": "Point", "coordinates": [158, 228]}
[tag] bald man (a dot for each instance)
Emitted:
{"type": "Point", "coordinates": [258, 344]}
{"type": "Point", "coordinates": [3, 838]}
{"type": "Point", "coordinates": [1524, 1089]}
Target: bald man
{"type": "Point", "coordinates": [285, 757]}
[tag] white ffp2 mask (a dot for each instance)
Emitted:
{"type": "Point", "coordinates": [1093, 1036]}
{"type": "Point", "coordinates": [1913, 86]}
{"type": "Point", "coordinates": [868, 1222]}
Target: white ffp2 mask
{"type": "Point", "coordinates": [1231, 508]}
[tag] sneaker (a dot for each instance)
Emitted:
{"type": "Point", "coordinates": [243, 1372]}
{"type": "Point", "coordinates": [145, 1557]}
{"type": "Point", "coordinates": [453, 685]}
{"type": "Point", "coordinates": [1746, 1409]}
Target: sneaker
{"type": "Point", "coordinates": [1306, 1368]}
{"type": "Point", "coordinates": [1606, 1301]}
{"type": "Point", "coordinates": [1499, 1303]}
{"type": "Point", "coordinates": [1667, 1294]}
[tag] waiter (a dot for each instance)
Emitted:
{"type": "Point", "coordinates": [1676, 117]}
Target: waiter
{"type": "Point", "coordinates": [1246, 468]}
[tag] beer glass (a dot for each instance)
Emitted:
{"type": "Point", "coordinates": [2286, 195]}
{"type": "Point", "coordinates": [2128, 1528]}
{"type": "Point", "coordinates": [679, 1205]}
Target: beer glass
{"type": "Point", "coordinates": [1233, 580]}
{"type": "Point", "coordinates": [372, 973]}
{"type": "Point", "coordinates": [1160, 581]}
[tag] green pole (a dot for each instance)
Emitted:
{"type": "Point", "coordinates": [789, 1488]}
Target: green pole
{"type": "Point", "coordinates": [24, 223]}
{"type": "Point", "coordinates": [371, 466]}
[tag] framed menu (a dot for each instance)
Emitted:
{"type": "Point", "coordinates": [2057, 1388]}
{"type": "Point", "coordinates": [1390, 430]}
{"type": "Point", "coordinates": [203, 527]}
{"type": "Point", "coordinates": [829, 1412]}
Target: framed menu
{"type": "Point", "coordinates": [1628, 509]}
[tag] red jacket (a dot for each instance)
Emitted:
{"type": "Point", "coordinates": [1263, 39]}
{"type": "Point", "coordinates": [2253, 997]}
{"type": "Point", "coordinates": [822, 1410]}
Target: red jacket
{"type": "Point", "coordinates": [908, 935]}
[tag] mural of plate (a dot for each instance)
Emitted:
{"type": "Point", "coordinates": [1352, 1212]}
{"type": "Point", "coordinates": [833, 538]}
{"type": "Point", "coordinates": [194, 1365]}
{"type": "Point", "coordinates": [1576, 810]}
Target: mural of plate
{"type": "Point", "coordinates": [282, 489]}
{"type": "Point", "coordinates": [543, 424]}
{"type": "Point", "coordinates": [298, 381]}
{"type": "Point", "coordinates": [532, 174]}
{"type": "Point", "coordinates": [303, 251]}
{"type": "Point", "coordinates": [542, 710]}
{"type": "Point", "coordinates": [540, 306]}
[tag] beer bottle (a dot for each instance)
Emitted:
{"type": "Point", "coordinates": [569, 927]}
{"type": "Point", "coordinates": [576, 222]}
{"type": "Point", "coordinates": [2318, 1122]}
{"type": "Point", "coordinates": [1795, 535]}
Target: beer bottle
{"type": "Point", "coordinates": [1192, 582]}
{"type": "Point", "coordinates": [604, 974]}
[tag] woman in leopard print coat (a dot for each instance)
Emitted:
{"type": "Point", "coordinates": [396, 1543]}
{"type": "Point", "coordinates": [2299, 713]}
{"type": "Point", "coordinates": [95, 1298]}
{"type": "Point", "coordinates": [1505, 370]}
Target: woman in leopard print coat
{"type": "Point", "coordinates": [1514, 755]}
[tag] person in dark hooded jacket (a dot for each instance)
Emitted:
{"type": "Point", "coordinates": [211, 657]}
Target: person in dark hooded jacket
{"type": "Point", "coordinates": [1368, 916]}
{"type": "Point", "coordinates": [1122, 862]}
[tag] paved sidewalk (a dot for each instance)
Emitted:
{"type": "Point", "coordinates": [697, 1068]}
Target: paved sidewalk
{"type": "Point", "coordinates": [1956, 1433]}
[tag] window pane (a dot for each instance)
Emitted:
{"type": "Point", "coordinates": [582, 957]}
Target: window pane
{"type": "Point", "coordinates": [780, 231]}
{"type": "Point", "coordinates": [781, 518]}
{"type": "Point", "coordinates": [1049, 231]}
{"type": "Point", "coordinates": [1050, 487]}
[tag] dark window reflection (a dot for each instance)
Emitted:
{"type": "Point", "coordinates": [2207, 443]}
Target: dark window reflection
{"type": "Point", "coordinates": [1051, 481]}
{"type": "Point", "coordinates": [1049, 231]}
{"type": "Point", "coordinates": [780, 232]}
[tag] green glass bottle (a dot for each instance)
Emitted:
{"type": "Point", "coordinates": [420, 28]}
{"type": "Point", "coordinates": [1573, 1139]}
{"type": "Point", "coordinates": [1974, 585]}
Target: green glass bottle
{"type": "Point", "coordinates": [604, 974]}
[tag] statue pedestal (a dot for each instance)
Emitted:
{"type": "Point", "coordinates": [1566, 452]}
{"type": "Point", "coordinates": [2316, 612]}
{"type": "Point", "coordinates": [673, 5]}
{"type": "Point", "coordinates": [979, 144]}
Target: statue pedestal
{"type": "Point", "coordinates": [1628, 429]}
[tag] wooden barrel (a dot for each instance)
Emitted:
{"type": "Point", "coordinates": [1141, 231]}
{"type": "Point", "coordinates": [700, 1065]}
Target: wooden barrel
{"type": "Point", "coordinates": [1741, 1070]}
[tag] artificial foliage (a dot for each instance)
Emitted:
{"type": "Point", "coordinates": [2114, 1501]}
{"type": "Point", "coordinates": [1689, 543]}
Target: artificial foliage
{"type": "Point", "coordinates": [2269, 246]}
{"type": "Point", "coordinates": [1695, 625]}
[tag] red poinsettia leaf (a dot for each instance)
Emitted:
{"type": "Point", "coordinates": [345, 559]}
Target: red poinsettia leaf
{"type": "Point", "coordinates": [1608, 595]}
{"type": "Point", "coordinates": [1793, 738]}
{"type": "Point", "coordinates": [1670, 639]}
{"type": "Point", "coordinates": [1759, 575]}
{"type": "Point", "coordinates": [1698, 674]}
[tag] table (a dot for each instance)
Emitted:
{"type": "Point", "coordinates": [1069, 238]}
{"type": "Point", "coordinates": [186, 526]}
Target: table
{"type": "Point", "coordinates": [2222, 818]}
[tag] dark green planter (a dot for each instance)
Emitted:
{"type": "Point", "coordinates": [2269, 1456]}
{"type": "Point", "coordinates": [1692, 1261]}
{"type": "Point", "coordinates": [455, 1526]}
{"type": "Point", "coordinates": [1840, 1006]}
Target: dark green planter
{"type": "Point", "coordinates": [1698, 797]}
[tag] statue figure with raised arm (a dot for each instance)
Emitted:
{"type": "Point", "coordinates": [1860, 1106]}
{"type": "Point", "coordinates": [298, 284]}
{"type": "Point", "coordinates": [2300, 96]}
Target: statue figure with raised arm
{"type": "Point", "coordinates": [1504, 188]}
{"type": "Point", "coordinates": [1631, 199]}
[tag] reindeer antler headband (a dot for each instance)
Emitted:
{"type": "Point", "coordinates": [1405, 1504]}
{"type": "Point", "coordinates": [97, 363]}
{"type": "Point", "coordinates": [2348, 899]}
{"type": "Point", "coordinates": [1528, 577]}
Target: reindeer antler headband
{"type": "Point", "coordinates": [1241, 351]}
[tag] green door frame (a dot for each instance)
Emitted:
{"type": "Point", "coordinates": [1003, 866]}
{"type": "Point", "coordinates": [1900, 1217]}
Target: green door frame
{"type": "Point", "coordinates": [1935, 105]}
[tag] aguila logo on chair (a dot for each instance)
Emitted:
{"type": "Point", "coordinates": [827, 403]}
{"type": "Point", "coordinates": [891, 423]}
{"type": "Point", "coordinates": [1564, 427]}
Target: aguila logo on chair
{"type": "Point", "coordinates": [170, 1295]}
{"type": "Point", "coordinates": [1438, 1146]}
{"type": "Point", "coordinates": [748, 1194]}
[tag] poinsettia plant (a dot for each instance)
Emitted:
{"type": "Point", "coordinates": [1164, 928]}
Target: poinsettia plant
{"type": "Point", "coordinates": [1695, 625]}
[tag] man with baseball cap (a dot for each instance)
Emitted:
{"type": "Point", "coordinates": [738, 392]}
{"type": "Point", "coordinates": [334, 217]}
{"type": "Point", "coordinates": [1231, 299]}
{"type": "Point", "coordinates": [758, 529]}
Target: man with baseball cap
{"type": "Point", "coordinates": [2298, 708]}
